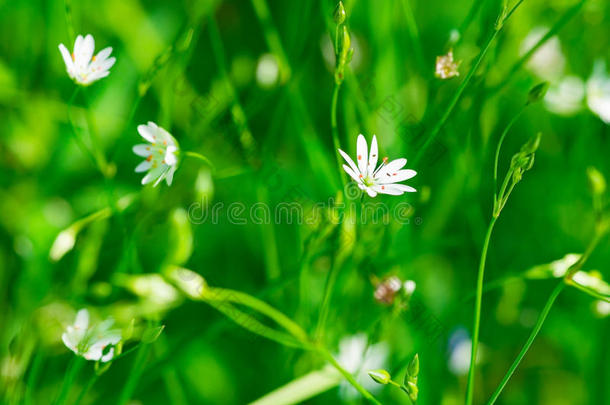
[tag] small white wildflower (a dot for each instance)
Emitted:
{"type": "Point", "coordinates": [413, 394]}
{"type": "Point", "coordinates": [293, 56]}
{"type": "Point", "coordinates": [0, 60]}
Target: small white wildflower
{"type": "Point", "coordinates": [409, 287]}
{"type": "Point", "coordinates": [382, 179]}
{"type": "Point", "coordinates": [460, 347]}
{"type": "Point", "coordinates": [565, 97]}
{"type": "Point", "coordinates": [82, 66]}
{"type": "Point", "coordinates": [548, 62]}
{"type": "Point", "coordinates": [598, 92]}
{"type": "Point", "coordinates": [91, 343]}
{"type": "Point", "coordinates": [445, 67]}
{"type": "Point", "coordinates": [358, 357]}
{"type": "Point", "coordinates": [161, 161]}
{"type": "Point", "coordinates": [602, 308]}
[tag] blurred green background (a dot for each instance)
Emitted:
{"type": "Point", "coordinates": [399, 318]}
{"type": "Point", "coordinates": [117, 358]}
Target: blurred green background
{"type": "Point", "coordinates": [275, 146]}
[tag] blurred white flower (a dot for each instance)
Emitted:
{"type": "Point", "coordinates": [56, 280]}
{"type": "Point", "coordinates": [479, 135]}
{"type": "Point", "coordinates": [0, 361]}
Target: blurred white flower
{"type": "Point", "coordinates": [566, 97]}
{"type": "Point", "coordinates": [548, 61]}
{"type": "Point", "coordinates": [409, 287]}
{"type": "Point", "coordinates": [63, 243]}
{"type": "Point", "coordinates": [357, 357]}
{"type": "Point", "coordinates": [460, 346]}
{"type": "Point", "coordinates": [91, 343]}
{"type": "Point", "coordinates": [84, 67]}
{"type": "Point", "coordinates": [382, 179]}
{"type": "Point", "coordinates": [598, 92]}
{"type": "Point", "coordinates": [445, 67]}
{"type": "Point", "coordinates": [602, 308]}
{"type": "Point", "coordinates": [161, 161]}
{"type": "Point", "coordinates": [267, 71]}
{"type": "Point", "coordinates": [592, 280]}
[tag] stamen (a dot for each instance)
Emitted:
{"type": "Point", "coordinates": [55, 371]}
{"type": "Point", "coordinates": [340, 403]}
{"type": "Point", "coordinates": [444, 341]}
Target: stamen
{"type": "Point", "coordinates": [359, 157]}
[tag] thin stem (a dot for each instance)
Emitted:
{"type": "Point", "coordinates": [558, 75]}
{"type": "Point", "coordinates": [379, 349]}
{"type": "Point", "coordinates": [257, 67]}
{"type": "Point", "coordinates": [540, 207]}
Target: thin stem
{"type": "Point", "coordinates": [272, 37]}
{"type": "Point", "coordinates": [100, 159]}
{"type": "Point", "coordinates": [350, 378]}
{"type": "Point", "coordinates": [73, 368]}
{"type": "Point", "coordinates": [458, 94]}
{"type": "Point", "coordinates": [238, 297]}
{"type": "Point", "coordinates": [134, 375]}
{"type": "Point", "coordinates": [477, 312]}
{"type": "Point", "coordinates": [202, 158]}
{"type": "Point", "coordinates": [81, 144]}
{"type": "Point", "coordinates": [565, 18]}
{"type": "Point", "coordinates": [541, 318]}
{"type": "Point", "coordinates": [414, 34]}
{"type": "Point", "coordinates": [566, 280]}
{"type": "Point", "coordinates": [69, 22]}
{"type": "Point", "coordinates": [456, 97]}
{"type": "Point", "coordinates": [335, 132]}
{"type": "Point", "coordinates": [86, 389]}
{"type": "Point", "coordinates": [497, 156]}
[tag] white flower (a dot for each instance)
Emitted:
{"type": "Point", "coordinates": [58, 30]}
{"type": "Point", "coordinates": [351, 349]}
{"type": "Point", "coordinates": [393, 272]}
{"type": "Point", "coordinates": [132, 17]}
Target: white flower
{"type": "Point", "coordinates": [548, 61]}
{"type": "Point", "coordinates": [382, 179]}
{"type": "Point", "coordinates": [161, 161]}
{"type": "Point", "coordinates": [91, 343]}
{"type": "Point", "coordinates": [565, 97]}
{"type": "Point", "coordinates": [598, 92]}
{"type": "Point", "coordinates": [82, 66]}
{"type": "Point", "coordinates": [358, 357]}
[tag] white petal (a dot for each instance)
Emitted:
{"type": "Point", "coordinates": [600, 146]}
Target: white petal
{"type": "Point", "coordinates": [392, 167]}
{"type": "Point", "coordinates": [147, 132]}
{"type": "Point", "coordinates": [144, 166]}
{"type": "Point", "coordinates": [68, 342]}
{"type": "Point", "coordinates": [362, 156]}
{"type": "Point", "coordinates": [85, 52]}
{"type": "Point", "coordinates": [371, 192]}
{"type": "Point", "coordinates": [395, 177]}
{"type": "Point", "coordinates": [77, 45]}
{"type": "Point", "coordinates": [349, 161]}
{"type": "Point", "coordinates": [142, 149]}
{"type": "Point", "coordinates": [108, 356]}
{"type": "Point", "coordinates": [404, 187]}
{"type": "Point", "coordinates": [373, 155]}
{"type": "Point", "coordinates": [387, 189]}
{"type": "Point", "coordinates": [67, 57]}
{"type": "Point", "coordinates": [170, 175]}
{"type": "Point", "coordinates": [153, 175]}
{"type": "Point", "coordinates": [163, 175]}
{"type": "Point", "coordinates": [103, 54]}
{"type": "Point", "coordinates": [352, 174]}
{"type": "Point", "coordinates": [82, 320]}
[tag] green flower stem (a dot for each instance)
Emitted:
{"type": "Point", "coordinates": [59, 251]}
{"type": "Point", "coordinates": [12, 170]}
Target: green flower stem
{"type": "Point", "coordinates": [32, 380]}
{"type": "Point", "coordinates": [73, 368]}
{"type": "Point", "coordinates": [414, 35]}
{"type": "Point", "coordinates": [350, 378]}
{"type": "Point", "coordinates": [272, 37]}
{"type": "Point", "coordinates": [458, 94]}
{"type": "Point", "coordinates": [77, 138]}
{"type": "Point", "coordinates": [251, 324]}
{"type": "Point", "coordinates": [497, 155]}
{"type": "Point", "coordinates": [545, 311]}
{"type": "Point", "coordinates": [69, 23]}
{"type": "Point", "coordinates": [137, 370]}
{"type": "Point", "coordinates": [565, 18]}
{"type": "Point", "coordinates": [335, 133]}
{"type": "Point", "coordinates": [477, 312]}
{"type": "Point", "coordinates": [238, 297]}
{"type": "Point", "coordinates": [202, 158]}
{"type": "Point", "coordinates": [86, 388]}
{"type": "Point", "coordinates": [96, 144]}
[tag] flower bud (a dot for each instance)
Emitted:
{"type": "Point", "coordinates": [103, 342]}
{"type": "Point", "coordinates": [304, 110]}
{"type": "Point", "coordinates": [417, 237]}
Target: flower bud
{"type": "Point", "coordinates": [413, 369]}
{"type": "Point", "coordinates": [343, 44]}
{"type": "Point", "coordinates": [339, 14]}
{"type": "Point", "coordinates": [597, 182]}
{"type": "Point", "coordinates": [411, 389]}
{"type": "Point", "coordinates": [537, 92]}
{"type": "Point", "coordinates": [380, 376]}
{"type": "Point", "coordinates": [531, 145]}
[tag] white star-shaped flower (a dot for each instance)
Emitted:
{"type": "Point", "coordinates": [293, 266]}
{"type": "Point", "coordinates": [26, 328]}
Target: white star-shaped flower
{"type": "Point", "coordinates": [161, 161]}
{"type": "Point", "coordinates": [383, 179]}
{"type": "Point", "coordinates": [95, 343]}
{"type": "Point", "coordinates": [82, 66]}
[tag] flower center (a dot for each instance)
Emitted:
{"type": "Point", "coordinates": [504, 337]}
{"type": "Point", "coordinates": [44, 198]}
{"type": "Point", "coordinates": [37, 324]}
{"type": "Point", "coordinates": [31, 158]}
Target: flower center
{"type": "Point", "coordinates": [368, 181]}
